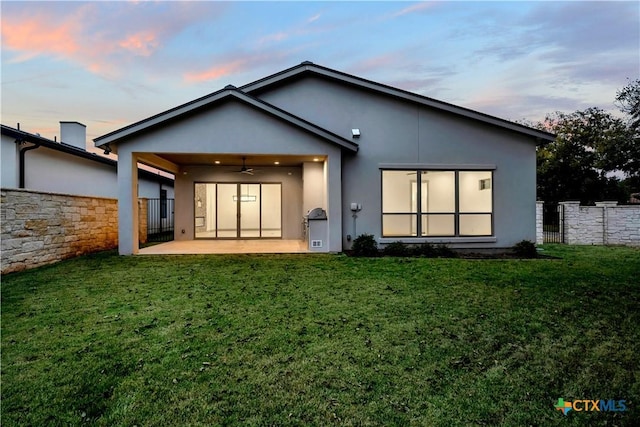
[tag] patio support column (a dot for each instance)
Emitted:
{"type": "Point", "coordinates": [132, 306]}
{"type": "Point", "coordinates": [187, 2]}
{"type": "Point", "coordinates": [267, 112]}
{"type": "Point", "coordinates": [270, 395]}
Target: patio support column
{"type": "Point", "coordinates": [127, 203]}
{"type": "Point", "coordinates": [333, 194]}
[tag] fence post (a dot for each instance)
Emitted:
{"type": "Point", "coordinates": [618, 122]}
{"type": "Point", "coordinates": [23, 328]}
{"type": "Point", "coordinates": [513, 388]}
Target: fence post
{"type": "Point", "coordinates": [605, 219]}
{"type": "Point", "coordinates": [571, 222]}
{"type": "Point", "coordinates": [142, 220]}
{"type": "Point", "coordinates": [539, 225]}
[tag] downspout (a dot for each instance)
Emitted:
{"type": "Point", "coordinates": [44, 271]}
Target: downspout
{"type": "Point", "coordinates": [22, 160]}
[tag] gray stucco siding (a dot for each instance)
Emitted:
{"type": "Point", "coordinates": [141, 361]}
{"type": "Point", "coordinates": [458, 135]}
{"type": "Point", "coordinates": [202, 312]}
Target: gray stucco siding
{"type": "Point", "coordinates": [227, 129]}
{"type": "Point", "coordinates": [236, 128]}
{"type": "Point", "coordinates": [397, 131]}
{"type": "Point", "coordinates": [9, 166]}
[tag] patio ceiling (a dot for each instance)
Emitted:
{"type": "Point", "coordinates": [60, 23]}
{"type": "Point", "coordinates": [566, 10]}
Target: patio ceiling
{"type": "Point", "coordinates": [252, 160]}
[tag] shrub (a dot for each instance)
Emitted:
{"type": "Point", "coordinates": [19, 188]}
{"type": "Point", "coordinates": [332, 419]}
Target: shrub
{"type": "Point", "coordinates": [425, 250]}
{"type": "Point", "coordinates": [397, 249]}
{"type": "Point", "coordinates": [444, 251]}
{"type": "Point", "coordinates": [525, 248]}
{"type": "Point", "coordinates": [365, 245]}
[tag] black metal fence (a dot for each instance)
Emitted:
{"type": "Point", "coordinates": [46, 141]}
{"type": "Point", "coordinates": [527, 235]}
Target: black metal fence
{"type": "Point", "coordinates": [553, 223]}
{"type": "Point", "coordinates": [160, 216]}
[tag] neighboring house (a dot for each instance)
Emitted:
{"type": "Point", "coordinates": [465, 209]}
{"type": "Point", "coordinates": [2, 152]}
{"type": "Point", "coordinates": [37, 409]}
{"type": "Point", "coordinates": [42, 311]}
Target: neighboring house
{"type": "Point", "coordinates": [32, 162]}
{"type": "Point", "coordinates": [250, 162]}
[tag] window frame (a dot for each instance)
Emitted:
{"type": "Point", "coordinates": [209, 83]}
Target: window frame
{"type": "Point", "coordinates": [418, 215]}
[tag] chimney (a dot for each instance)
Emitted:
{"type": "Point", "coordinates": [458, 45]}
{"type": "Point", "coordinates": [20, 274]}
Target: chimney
{"type": "Point", "coordinates": [74, 133]}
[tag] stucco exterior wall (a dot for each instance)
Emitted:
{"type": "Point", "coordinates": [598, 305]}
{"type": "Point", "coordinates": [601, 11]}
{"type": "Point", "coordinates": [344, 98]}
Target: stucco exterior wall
{"type": "Point", "coordinates": [231, 128]}
{"type": "Point", "coordinates": [53, 171]}
{"type": "Point", "coordinates": [9, 162]}
{"type": "Point", "coordinates": [313, 180]}
{"type": "Point", "coordinates": [394, 131]}
{"type": "Point", "coordinates": [49, 170]}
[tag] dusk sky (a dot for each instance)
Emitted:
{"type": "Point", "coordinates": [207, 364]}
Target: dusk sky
{"type": "Point", "coordinates": [109, 64]}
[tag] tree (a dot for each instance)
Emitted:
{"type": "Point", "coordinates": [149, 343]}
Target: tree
{"type": "Point", "coordinates": [628, 101]}
{"type": "Point", "coordinates": [590, 146]}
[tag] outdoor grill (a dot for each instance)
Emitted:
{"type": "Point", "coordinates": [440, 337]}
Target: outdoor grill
{"type": "Point", "coordinates": [314, 227]}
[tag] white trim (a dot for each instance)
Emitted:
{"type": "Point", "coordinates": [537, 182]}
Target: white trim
{"type": "Point", "coordinates": [452, 240]}
{"type": "Point", "coordinates": [432, 166]}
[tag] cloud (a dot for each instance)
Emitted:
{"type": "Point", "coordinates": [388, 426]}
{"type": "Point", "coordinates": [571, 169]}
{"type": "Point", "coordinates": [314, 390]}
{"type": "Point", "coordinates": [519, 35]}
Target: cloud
{"type": "Point", "coordinates": [104, 38]}
{"type": "Point", "coordinates": [303, 28]}
{"type": "Point", "coordinates": [314, 18]}
{"type": "Point", "coordinates": [217, 71]}
{"type": "Point", "coordinates": [235, 63]}
{"type": "Point", "coordinates": [414, 8]}
{"type": "Point", "coordinates": [511, 105]}
{"type": "Point", "coordinates": [143, 43]}
{"type": "Point", "coordinates": [38, 35]}
{"type": "Point", "coordinates": [375, 63]}
{"type": "Point", "coordinates": [582, 40]}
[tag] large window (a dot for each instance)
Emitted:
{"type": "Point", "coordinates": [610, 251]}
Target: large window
{"type": "Point", "coordinates": [424, 203]}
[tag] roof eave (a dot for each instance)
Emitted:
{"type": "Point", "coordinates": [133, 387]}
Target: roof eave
{"type": "Point", "coordinates": [58, 146]}
{"type": "Point", "coordinates": [229, 92]}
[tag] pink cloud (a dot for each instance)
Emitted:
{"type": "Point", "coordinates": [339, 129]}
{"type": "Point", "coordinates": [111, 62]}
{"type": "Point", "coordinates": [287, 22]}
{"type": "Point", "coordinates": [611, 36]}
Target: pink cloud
{"type": "Point", "coordinates": [38, 35]}
{"type": "Point", "coordinates": [240, 63]}
{"type": "Point", "coordinates": [104, 38]}
{"type": "Point", "coordinates": [143, 43]}
{"type": "Point", "coordinates": [216, 71]}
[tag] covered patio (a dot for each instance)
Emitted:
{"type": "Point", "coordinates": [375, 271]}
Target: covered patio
{"type": "Point", "coordinates": [195, 247]}
{"type": "Point", "coordinates": [243, 169]}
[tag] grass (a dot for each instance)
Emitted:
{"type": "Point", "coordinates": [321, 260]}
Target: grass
{"type": "Point", "coordinates": [322, 340]}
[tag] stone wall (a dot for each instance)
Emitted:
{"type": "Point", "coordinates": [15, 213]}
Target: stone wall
{"type": "Point", "coordinates": [603, 224]}
{"type": "Point", "coordinates": [42, 228]}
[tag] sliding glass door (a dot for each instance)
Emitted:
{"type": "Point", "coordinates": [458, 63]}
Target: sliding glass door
{"type": "Point", "coordinates": [238, 210]}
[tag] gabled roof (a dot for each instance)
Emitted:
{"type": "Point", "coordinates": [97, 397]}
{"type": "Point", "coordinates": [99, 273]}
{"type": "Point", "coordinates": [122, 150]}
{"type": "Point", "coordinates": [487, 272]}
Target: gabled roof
{"type": "Point", "coordinates": [309, 68]}
{"type": "Point", "coordinates": [228, 93]}
{"type": "Point", "coordinates": [22, 136]}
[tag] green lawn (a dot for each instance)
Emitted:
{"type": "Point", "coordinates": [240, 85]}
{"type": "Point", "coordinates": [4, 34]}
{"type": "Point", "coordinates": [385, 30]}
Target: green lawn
{"type": "Point", "coordinates": [322, 340]}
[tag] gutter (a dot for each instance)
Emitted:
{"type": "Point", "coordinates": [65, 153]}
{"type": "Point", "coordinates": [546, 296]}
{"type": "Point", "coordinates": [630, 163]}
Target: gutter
{"type": "Point", "coordinates": [23, 151]}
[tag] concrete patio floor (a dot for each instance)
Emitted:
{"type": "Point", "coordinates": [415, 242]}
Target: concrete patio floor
{"type": "Point", "coordinates": [191, 247]}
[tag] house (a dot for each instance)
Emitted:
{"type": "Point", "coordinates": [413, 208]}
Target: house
{"type": "Point", "coordinates": [250, 162]}
{"type": "Point", "coordinates": [33, 162]}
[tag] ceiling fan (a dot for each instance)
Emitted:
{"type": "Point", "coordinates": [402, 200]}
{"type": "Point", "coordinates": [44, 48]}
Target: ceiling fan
{"type": "Point", "coordinates": [245, 170]}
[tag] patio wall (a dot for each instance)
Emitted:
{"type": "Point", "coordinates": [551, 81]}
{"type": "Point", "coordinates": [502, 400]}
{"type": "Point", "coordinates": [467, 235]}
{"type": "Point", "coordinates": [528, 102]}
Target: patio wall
{"type": "Point", "coordinates": [42, 228]}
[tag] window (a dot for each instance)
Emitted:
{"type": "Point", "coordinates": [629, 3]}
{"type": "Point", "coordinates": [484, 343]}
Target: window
{"type": "Point", "coordinates": [435, 203]}
{"type": "Point", "coordinates": [233, 210]}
